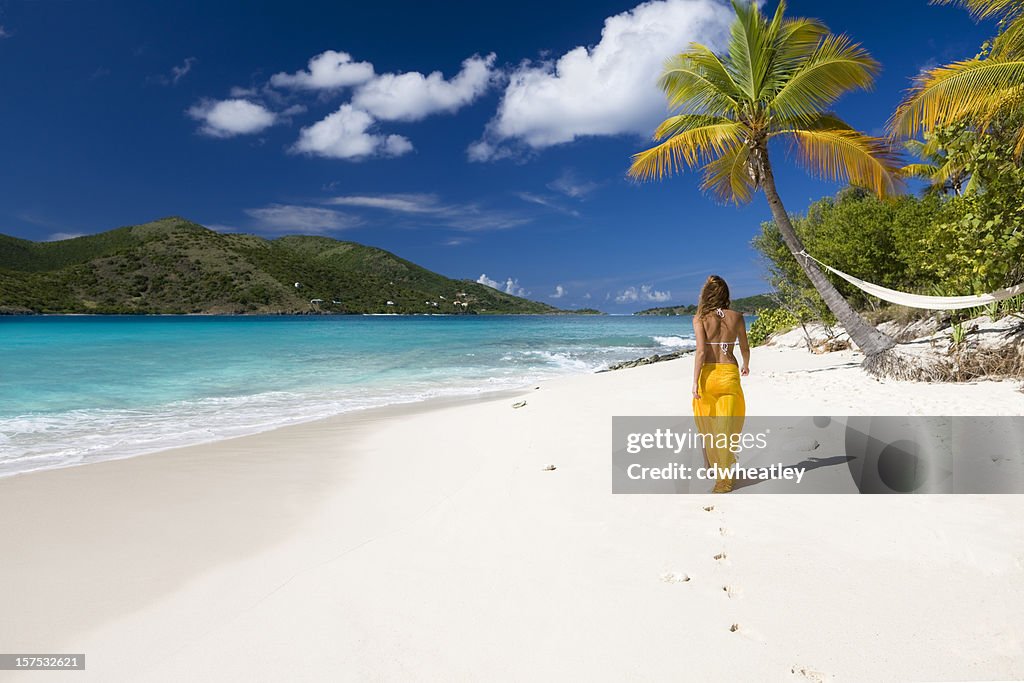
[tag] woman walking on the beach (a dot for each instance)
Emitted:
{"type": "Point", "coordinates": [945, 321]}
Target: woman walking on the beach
{"type": "Point", "coordinates": [718, 405]}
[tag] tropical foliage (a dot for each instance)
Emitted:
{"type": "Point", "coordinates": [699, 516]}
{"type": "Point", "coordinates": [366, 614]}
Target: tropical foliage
{"type": "Point", "coordinates": [768, 322]}
{"type": "Point", "coordinates": [945, 157]}
{"type": "Point", "coordinates": [929, 245]}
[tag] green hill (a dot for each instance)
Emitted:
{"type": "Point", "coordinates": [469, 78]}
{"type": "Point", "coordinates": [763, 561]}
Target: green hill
{"type": "Point", "coordinates": [176, 266]}
{"type": "Point", "coordinates": [747, 304]}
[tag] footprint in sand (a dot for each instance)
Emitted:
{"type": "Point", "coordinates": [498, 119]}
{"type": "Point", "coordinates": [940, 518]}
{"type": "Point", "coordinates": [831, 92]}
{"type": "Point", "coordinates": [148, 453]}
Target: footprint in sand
{"type": "Point", "coordinates": [720, 556]}
{"type": "Point", "coordinates": [732, 591]}
{"type": "Point", "coordinates": [734, 628]}
{"type": "Point", "coordinates": [675, 577]}
{"type": "Point", "coordinates": [709, 508]}
{"type": "Point", "coordinates": [810, 674]}
{"type": "Point", "coordinates": [722, 531]}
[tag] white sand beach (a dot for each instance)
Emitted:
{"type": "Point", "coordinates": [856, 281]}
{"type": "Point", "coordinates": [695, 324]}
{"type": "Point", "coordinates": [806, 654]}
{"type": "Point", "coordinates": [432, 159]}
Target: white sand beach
{"type": "Point", "coordinates": [429, 543]}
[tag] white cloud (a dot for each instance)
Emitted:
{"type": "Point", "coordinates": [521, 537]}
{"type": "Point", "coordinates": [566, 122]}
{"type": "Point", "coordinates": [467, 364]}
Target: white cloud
{"type": "Point", "coordinates": [227, 118]}
{"type": "Point", "coordinates": [328, 70]}
{"type": "Point", "coordinates": [411, 96]}
{"type": "Point", "coordinates": [179, 72]}
{"type": "Point", "coordinates": [345, 135]}
{"type": "Point", "coordinates": [58, 236]}
{"type": "Point", "coordinates": [607, 89]}
{"type": "Point", "coordinates": [294, 110]}
{"type": "Point", "coordinates": [572, 186]}
{"type": "Point", "coordinates": [300, 219]}
{"type": "Point", "coordinates": [484, 280]}
{"type": "Point", "coordinates": [481, 150]}
{"type": "Point", "coordinates": [428, 207]}
{"type": "Point", "coordinates": [241, 93]}
{"type": "Point", "coordinates": [396, 146]}
{"type": "Point", "coordinates": [511, 285]}
{"type": "Point", "coordinates": [404, 203]}
{"type": "Point", "coordinates": [642, 293]}
{"type": "Point", "coordinates": [4, 33]}
{"type": "Point", "coordinates": [546, 202]}
{"type": "Point", "coordinates": [558, 293]}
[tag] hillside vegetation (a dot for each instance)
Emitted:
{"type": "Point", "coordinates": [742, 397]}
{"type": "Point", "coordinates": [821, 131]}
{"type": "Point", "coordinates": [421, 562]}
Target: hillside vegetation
{"type": "Point", "coordinates": [747, 304]}
{"type": "Point", "coordinates": [176, 266]}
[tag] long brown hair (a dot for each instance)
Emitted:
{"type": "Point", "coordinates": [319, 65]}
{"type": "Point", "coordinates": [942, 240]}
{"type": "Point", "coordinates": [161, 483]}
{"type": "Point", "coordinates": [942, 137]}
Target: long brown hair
{"type": "Point", "coordinates": [714, 294]}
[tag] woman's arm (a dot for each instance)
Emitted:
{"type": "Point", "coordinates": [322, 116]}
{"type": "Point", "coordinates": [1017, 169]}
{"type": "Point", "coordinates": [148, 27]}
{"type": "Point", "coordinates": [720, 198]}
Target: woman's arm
{"type": "Point", "coordinates": [744, 347]}
{"type": "Point", "coordinates": [698, 354]}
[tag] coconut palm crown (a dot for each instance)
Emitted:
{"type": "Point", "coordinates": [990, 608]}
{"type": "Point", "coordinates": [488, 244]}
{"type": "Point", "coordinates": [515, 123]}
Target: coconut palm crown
{"type": "Point", "coordinates": [777, 81]}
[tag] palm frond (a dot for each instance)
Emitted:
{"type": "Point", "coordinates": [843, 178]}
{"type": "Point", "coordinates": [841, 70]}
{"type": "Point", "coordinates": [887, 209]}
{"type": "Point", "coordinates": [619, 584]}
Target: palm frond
{"type": "Point", "coordinates": [681, 123]}
{"type": "Point", "coordinates": [798, 39]}
{"type": "Point", "coordinates": [917, 147]}
{"type": "Point", "coordinates": [693, 87]}
{"type": "Point", "coordinates": [823, 121]}
{"type": "Point", "coordinates": [750, 36]}
{"type": "Point", "coordinates": [728, 177]}
{"type": "Point", "coordinates": [947, 172]}
{"type": "Point", "coordinates": [919, 170]}
{"type": "Point", "coordinates": [955, 92]}
{"type": "Point", "coordinates": [687, 147]}
{"type": "Point", "coordinates": [837, 66]}
{"type": "Point", "coordinates": [1006, 100]}
{"type": "Point", "coordinates": [845, 154]}
{"type": "Point", "coordinates": [987, 9]}
{"type": "Point", "coordinates": [1009, 44]}
{"type": "Point", "coordinates": [698, 75]}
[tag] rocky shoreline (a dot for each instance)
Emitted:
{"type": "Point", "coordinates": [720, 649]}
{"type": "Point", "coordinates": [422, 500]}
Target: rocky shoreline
{"type": "Point", "coordinates": [647, 360]}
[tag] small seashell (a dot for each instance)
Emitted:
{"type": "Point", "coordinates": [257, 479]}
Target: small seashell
{"type": "Point", "coordinates": [548, 468]}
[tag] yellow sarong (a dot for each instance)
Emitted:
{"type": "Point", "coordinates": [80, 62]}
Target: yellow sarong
{"type": "Point", "coordinates": [719, 412]}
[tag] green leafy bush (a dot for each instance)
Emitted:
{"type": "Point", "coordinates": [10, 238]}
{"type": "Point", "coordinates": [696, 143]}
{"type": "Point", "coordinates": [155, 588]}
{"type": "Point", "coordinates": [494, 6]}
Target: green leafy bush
{"type": "Point", "coordinates": [769, 321]}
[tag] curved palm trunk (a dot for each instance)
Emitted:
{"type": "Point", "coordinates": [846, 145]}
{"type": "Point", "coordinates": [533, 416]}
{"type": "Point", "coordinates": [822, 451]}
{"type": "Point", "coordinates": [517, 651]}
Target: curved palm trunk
{"type": "Point", "coordinates": [867, 338]}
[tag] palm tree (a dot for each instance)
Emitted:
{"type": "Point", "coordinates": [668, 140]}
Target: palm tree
{"type": "Point", "coordinates": [777, 82]}
{"type": "Point", "coordinates": [946, 171]}
{"type": "Point", "coordinates": [973, 91]}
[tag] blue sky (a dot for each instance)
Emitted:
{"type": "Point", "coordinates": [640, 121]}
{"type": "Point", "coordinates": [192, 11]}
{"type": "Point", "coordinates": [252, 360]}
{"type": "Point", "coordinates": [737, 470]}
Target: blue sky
{"type": "Point", "coordinates": [306, 117]}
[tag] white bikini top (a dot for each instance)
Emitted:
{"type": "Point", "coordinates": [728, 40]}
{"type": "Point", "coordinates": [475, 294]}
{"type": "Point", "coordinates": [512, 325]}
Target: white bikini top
{"type": "Point", "coordinates": [724, 346]}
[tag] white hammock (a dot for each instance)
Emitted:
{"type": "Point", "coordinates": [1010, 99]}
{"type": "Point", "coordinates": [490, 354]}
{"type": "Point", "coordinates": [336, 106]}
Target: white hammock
{"type": "Point", "coordinates": [939, 303]}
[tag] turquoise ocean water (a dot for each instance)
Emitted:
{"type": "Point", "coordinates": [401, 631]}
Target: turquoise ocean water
{"type": "Point", "coordinates": [77, 389]}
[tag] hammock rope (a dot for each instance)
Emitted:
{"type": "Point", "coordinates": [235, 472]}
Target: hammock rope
{"type": "Point", "coordinates": [937, 303]}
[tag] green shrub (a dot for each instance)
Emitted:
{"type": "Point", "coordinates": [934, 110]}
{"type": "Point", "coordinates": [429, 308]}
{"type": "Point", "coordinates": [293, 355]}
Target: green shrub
{"type": "Point", "coordinates": [770, 321]}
